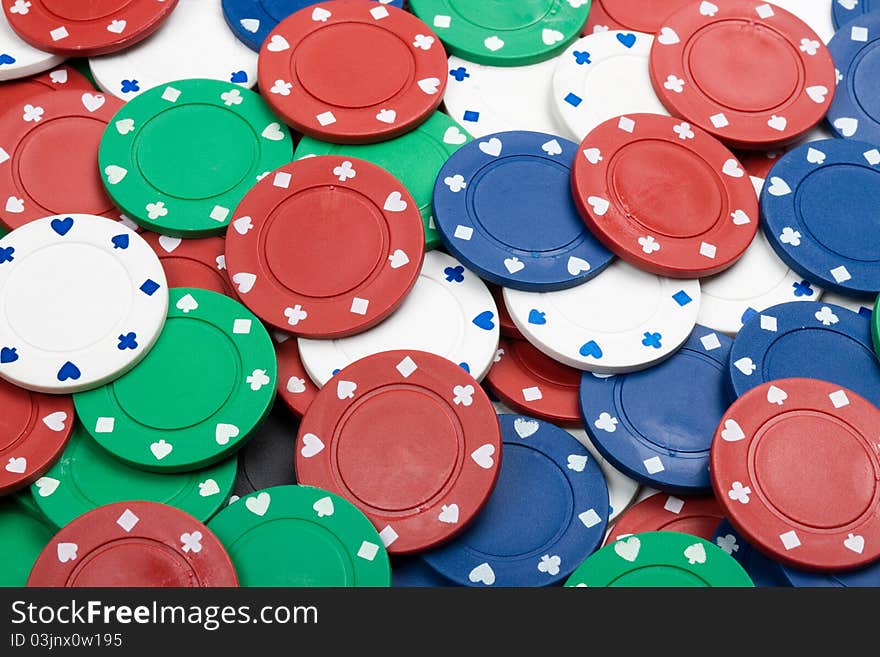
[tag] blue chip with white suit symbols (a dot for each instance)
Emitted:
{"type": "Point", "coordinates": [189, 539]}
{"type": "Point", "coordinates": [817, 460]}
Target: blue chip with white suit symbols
{"type": "Point", "coordinates": [763, 571]}
{"type": "Point", "coordinates": [843, 11]}
{"type": "Point", "coordinates": [855, 110]}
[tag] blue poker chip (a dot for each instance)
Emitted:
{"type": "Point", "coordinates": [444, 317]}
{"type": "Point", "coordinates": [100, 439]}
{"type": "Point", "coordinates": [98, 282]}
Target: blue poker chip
{"type": "Point", "coordinates": [413, 572]}
{"type": "Point", "coordinates": [503, 206]}
{"type": "Point", "coordinates": [806, 339]}
{"type": "Point", "coordinates": [657, 425]}
{"type": "Point", "coordinates": [861, 578]}
{"type": "Point", "coordinates": [252, 20]}
{"type": "Point", "coordinates": [820, 214]}
{"type": "Point", "coordinates": [855, 48]}
{"type": "Point", "coordinates": [763, 571]}
{"type": "Point", "coordinates": [843, 11]}
{"type": "Point", "coordinates": [548, 513]}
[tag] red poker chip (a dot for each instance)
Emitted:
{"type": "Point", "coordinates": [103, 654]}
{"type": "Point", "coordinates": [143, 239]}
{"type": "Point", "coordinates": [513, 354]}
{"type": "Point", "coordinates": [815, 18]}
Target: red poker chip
{"type": "Point", "coordinates": [635, 15]}
{"type": "Point", "coordinates": [198, 263]}
{"type": "Point", "coordinates": [63, 77]}
{"type": "Point", "coordinates": [353, 72]}
{"type": "Point", "coordinates": [49, 159]}
{"type": "Point", "coordinates": [295, 388]}
{"type": "Point", "coordinates": [759, 163]}
{"type": "Point", "coordinates": [795, 464]}
{"type": "Point", "coordinates": [409, 438]}
{"type": "Point", "coordinates": [534, 384]}
{"type": "Point", "coordinates": [84, 29]}
{"type": "Point", "coordinates": [750, 73]}
{"type": "Point", "coordinates": [697, 516]}
{"type": "Point", "coordinates": [34, 429]}
{"type": "Point", "coordinates": [134, 544]}
{"type": "Point", "coordinates": [325, 247]}
{"type": "Point", "coordinates": [664, 195]}
{"type": "Point", "coordinates": [505, 323]}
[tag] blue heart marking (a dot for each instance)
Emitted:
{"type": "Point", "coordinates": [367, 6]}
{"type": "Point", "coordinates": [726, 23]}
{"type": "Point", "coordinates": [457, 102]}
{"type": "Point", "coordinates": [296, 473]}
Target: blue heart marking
{"type": "Point", "coordinates": [537, 317]}
{"type": "Point", "coordinates": [747, 315]}
{"type": "Point", "coordinates": [120, 241]}
{"type": "Point", "coordinates": [484, 320]}
{"type": "Point", "coordinates": [6, 59]}
{"type": "Point", "coordinates": [628, 39]}
{"type": "Point", "coordinates": [238, 77]}
{"type": "Point", "coordinates": [8, 355]}
{"type": "Point", "coordinates": [68, 371]}
{"type": "Point", "coordinates": [591, 349]}
{"type": "Point", "coordinates": [465, 367]}
{"type": "Point", "coordinates": [62, 226]}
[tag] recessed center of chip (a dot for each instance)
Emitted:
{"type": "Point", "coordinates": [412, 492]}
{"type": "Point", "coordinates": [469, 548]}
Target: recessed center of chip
{"type": "Point", "coordinates": [659, 575]}
{"type": "Point", "coordinates": [398, 448]}
{"type": "Point", "coordinates": [196, 151]}
{"type": "Point", "coordinates": [500, 15]}
{"type": "Point", "coordinates": [67, 297]}
{"type": "Point", "coordinates": [190, 373]}
{"type": "Point", "coordinates": [517, 194]}
{"type": "Point", "coordinates": [667, 189]}
{"type": "Point", "coordinates": [17, 415]}
{"type": "Point", "coordinates": [133, 562]}
{"type": "Point", "coordinates": [70, 183]}
{"type": "Point", "coordinates": [815, 469]}
{"type": "Point", "coordinates": [332, 68]}
{"type": "Point", "coordinates": [325, 241]}
{"type": "Point", "coordinates": [831, 203]}
{"type": "Point", "coordinates": [864, 81]}
{"type": "Point", "coordinates": [84, 10]}
{"type": "Point", "coordinates": [744, 66]}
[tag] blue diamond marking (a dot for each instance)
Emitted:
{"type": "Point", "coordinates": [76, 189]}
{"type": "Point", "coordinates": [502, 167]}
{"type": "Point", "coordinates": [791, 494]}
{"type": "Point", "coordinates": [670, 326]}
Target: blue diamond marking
{"type": "Point", "coordinates": [682, 298]}
{"type": "Point", "coordinates": [573, 100]}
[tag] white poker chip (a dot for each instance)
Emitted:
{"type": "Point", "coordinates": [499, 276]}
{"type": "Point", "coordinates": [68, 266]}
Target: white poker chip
{"type": "Point", "coordinates": [602, 76]}
{"type": "Point", "coordinates": [449, 312]}
{"type": "Point", "coordinates": [623, 320]}
{"type": "Point", "coordinates": [489, 99]}
{"type": "Point", "coordinates": [757, 281]}
{"type": "Point", "coordinates": [195, 42]}
{"type": "Point", "coordinates": [83, 299]}
{"type": "Point", "coordinates": [815, 13]}
{"type": "Point", "coordinates": [19, 59]}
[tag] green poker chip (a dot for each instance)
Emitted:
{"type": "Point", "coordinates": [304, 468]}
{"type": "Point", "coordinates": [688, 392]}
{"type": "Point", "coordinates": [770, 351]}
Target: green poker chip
{"type": "Point", "coordinates": [178, 158]}
{"type": "Point", "coordinates": [87, 476]}
{"type": "Point", "coordinates": [503, 33]}
{"type": "Point", "coordinates": [25, 532]}
{"type": "Point", "coordinates": [196, 397]}
{"type": "Point", "coordinates": [301, 536]}
{"type": "Point", "coordinates": [414, 158]}
{"type": "Point", "coordinates": [660, 559]}
{"type": "Point", "coordinates": [875, 326]}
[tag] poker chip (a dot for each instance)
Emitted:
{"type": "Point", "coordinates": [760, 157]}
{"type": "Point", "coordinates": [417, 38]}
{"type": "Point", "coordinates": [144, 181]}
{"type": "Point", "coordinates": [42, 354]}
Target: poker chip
{"type": "Point", "coordinates": [252, 20]}
{"type": "Point", "coordinates": [60, 78]}
{"type": "Point", "coordinates": [608, 15]}
{"type": "Point", "coordinates": [817, 212]}
{"type": "Point", "coordinates": [134, 544]}
{"type": "Point", "coordinates": [868, 577]}
{"type": "Point", "coordinates": [531, 383]}
{"type": "Point", "coordinates": [762, 571]}
{"type": "Point", "coordinates": [199, 263]}
{"type": "Point", "coordinates": [413, 572]}
{"type": "Point", "coordinates": [502, 34]}
{"type": "Point", "coordinates": [194, 42]}
{"type": "Point", "coordinates": [548, 512]}
{"type": "Point", "coordinates": [449, 312]}
{"type": "Point", "coordinates": [351, 72]}
{"type": "Point", "coordinates": [301, 536]}
{"type": "Point", "coordinates": [808, 340]}
{"type": "Point", "coordinates": [179, 158]}
{"type": "Point", "coordinates": [707, 54]}
{"type": "Point", "coordinates": [701, 226]}
{"type": "Point", "coordinates": [855, 112]}
{"type": "Point", "coordinates": [586, 83]}
{"type": "Point", "coordinates": [861, 306]}
{"type": "Point", "coordinates": [489, 99]}
{"type": "Point", "coordinates": [86, 28]}
{"type": "Point", "coordinates": [267, 458]}
{"type": "Point", "coordinates": [657, 425]}
{"type": "Point", "coordinates": [48, 147]}
{"type": "Point", "coordinates": [660, 559]}
{"type": "Point", "coordinates": [414, 159]}
{"type": "Point", "coordinates": [34, 429]}
{"type": "Point", "coordinates": [844, 11]}
{"type": "Point", "coordinates": [432, 417]}
{"type": "Point", "coordinates": [758, 164]}
{"type": "Point", "coordinates": [623, 320]}
{"type": "Point", "coordinates": [86, 477]}
{"type": "Point", "coordinates": [487, 197]}
{"type": "Point", "coordinates": [794, 466]}
{"type": "Point", "coordinates": [325, 247]}
{"type": "Point", "coordinates": [696, 516]}
{"type": "Point", "coordinates": [103, 300]}
{"type": "Point", "coordinates": [508, 328]}
{"type": "Point", "coordinates": [25, 532]}
{"type": "Point", "coordinates": [295, 388]}
{"type": "Point", "coordinates": [203, 389]}
{"type": "Point", "coordinates": [18, 59]}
